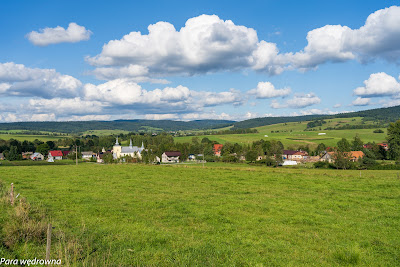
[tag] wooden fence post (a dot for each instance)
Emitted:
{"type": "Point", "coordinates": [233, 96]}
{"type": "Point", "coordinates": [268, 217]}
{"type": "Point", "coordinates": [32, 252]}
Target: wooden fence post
{"type": "Point", "coordinates": [48, 245]}
{"type": "Point", "coordinates": [12, 194]}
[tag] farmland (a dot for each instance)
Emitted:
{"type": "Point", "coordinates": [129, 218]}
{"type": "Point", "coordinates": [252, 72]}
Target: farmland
{"type": "Point", "coordinates": [218, 215]}
{"type": "Point", "coordinates": [294, 133]}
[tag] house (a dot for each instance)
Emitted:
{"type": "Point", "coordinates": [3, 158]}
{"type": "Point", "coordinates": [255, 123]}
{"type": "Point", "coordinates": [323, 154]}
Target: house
{"type": "Point", "coordinates": [122, 151]}
{"type": "Point", "coordinates": [299, 155]}
{"type": "Point", "coordinates": [217, 148]}
{"type": "Point", "coordinates": [26, 155]}
{"type": "Point", "coordinates": [287, 154]}
{"type": "Point", "coordinates": [170, 156]}
{"type": "Point", "coordinates": [37, 156]}
{"type": "Point", "coordinates": [2, 156]}
{"type": "Point", "coordinates": [87, 155]}
{"type": "Point", "coordinates": [55, 155]}
{"type": "Point", "coordinates": [356, 155]}
{"type": "Point", "coordinates": [192, 157]}
{"type": "Point", "coordinates": [328, 157]}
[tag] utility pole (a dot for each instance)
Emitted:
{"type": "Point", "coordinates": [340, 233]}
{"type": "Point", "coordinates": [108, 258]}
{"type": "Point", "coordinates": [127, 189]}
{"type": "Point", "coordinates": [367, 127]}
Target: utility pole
{"type": "Point", "coordinates": [76, 155]}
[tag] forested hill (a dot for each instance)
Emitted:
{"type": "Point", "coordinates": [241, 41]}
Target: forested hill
{"type": "Point", "coordinates": [127, 125]}
{"type": "Point", "coordinates": [382, 115]}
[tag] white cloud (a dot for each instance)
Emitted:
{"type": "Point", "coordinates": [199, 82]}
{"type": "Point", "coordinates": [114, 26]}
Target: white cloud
{"type": "Point", "coordinates": [337, 105]}
{"type": "Point", "coordinates": [209, 44]}
{"type": "Point", "coordinates": [361, 102]}
{"type": "Point", "coordinates": [205, 44]}
{"type": "Point", "coordinates": [18, 80]}
{"type": "Point", "coordinates": [161, 116]}
{"type": "Point", "coordinates": [73, 34]}
{"type": "Point", "coordinates": [377, 85]}
{"type": "Point", "coordinates": [127, 94]}
{"type": "Point", "coordinates": [298, 101]}
{"type": "Point", "coordinates": [90, 118]}
{"type": "Point", "coordinates": [63, 107]}
{"type": "Point", "coordinates": [391, 103]}
{"type": "Point", "coordinates": [378, 38]}
{"type": "Point", "coordinates": [267, 90]}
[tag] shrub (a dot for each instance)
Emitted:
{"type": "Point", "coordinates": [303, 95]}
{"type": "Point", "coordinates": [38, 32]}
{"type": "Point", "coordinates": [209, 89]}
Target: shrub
{"type": "Point", "coordinates": [321, 164]}
{"type": "Point", "coordinates": [25, 224]}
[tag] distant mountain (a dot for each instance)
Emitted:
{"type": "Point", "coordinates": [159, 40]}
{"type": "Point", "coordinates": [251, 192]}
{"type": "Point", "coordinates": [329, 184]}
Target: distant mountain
{"type": "Point", "coordinates": [127, 125]}
{"type": "Point", "coordinates": [382, 115]}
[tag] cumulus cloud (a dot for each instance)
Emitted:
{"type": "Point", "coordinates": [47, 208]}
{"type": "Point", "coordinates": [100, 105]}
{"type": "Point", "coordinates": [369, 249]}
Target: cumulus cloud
{"type": "Point", "coordinates": [205, 44]}
{"type": "Point", "coordinates": [208, 44]}
{"type": "Point", "coordinates": [18, 80]}
{"type": "Point", "coordinates": [73, 34]}
{"type": "Point", "coordinates": [361, 102]}
{"type": "Point", "coordinates": [61, 106]}
{"type": "Point", "coordinates": [127, 94]}
{"type": "Point", "coordinates": [377, 85]}
{"type": "Point", "coordinates": [379, 37]}
{"type": "Point", "coordinates": [298, 101]}
{"type": "Point", "coordinates": [267, 90]}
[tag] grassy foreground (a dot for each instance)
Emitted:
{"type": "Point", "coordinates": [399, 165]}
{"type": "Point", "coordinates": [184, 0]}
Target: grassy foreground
{"type": "Point", "coordinates": [219, 215]}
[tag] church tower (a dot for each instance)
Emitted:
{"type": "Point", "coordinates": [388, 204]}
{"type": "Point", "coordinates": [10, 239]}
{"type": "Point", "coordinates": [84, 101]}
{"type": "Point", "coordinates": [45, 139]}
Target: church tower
{"type": "Point", "coordinates": [116, 149]}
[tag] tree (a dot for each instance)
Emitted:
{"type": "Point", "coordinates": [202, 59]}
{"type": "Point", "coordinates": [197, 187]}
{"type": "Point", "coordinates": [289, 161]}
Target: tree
{"type": "Point", "coordinates": [393, 137]}
{"type": "Point", "coordinates": [13, 154]}
{"type": "Point", "coordinates": [43, 149]}
{"type": "Point", "coordinates": [343, 145]}
{"type": "Point", "coordinates": [321, 148]}
{"type": "Point", "coordinates": [251, 155]}
{"type": "Point", "coordinates": [357, 144]}
{"type": "Point", "coordinates": [51, 144]}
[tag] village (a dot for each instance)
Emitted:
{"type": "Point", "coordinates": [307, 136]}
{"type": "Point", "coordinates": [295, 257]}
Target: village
{"type": "Point", "coordinates": [133, 154]}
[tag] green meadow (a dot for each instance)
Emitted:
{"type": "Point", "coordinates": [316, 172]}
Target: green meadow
{"type": "Point", "coordinates": [220, 215]}
{"type": "Point", "coordinates": [293, 133]}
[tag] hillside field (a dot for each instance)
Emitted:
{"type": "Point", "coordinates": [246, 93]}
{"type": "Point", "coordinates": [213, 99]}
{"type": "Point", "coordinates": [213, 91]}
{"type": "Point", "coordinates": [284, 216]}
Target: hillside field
{"type": "Point", "coordinates": [220, 215]}
{"type": "Point", "coordinates": [293, 133]}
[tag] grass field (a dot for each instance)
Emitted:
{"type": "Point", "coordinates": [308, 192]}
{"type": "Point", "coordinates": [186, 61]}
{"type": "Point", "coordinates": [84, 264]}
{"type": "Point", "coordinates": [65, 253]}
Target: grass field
{"type": "Point", "coordinates": [30, 137]}
{"type": "Point", "coordinates": [293, 133]}
{"type": "Point", "coordinates": [219, 215]}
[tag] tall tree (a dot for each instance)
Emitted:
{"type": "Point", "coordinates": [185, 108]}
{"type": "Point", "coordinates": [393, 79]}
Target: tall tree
{"type": "Point", "coordinates": [357, 144]}
{"type": "Point", "coordinates": [393, 137]}
{"type": "Point", "coordinates": [343, 145]}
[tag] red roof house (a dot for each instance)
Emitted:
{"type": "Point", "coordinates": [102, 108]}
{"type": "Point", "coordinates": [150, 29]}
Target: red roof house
{"type": "Point", "coordinates": [217, 149]}
{"type": "Point", "coordinates": [56, 154]}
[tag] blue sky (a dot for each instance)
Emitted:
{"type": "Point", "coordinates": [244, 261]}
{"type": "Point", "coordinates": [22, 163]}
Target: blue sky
{"type": "Point", "coordinates": [70, 60]}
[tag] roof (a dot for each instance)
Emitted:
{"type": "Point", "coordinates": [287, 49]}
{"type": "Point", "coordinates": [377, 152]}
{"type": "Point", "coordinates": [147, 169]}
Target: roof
{"type": "Point", "coordinates": [56, 153]}
{"type": "Point", "coordinates": [65, 153]}
{"type": "Point", "coordinates": [289, 152]}
{"type": "Point", "coordinates": [87, 153]}
{"type": "Point", "coordinates": [173, 153]}
{"type": "Point", "coordinates": [303, 153]}
{"type": "Point", "coordinates": [218, 146]}
{"type": "Point", "coordinates": [130, 149]}
{"type": "Point", "coordinates": [357, 154]}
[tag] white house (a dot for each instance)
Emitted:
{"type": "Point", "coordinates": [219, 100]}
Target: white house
{"type": "Point", "coordinates": [170, 156]}
{"type": "Point", "coordinates": [55, 155]}
{"type": "Point", "coordinates": [37, 156]}
{"type": "Point", "coordinates": [87, 155]}
{"type": "Point", "coordinates": [121, 151]}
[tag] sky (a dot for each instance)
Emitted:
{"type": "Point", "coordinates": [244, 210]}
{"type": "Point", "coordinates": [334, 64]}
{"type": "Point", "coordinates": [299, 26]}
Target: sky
{"type": "Point", "coordinates": [191, 60]}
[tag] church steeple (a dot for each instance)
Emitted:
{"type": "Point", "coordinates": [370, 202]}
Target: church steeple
{"type": "Point", "coordinates": [130, 144]}
{"type": "Point", "coordinates": [116, 142]}
{"type": "Point", "coordinates": [142, 147]}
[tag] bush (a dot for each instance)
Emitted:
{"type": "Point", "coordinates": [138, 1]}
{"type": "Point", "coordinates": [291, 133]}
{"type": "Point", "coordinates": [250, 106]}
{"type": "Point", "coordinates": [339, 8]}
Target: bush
{"type": "Point", "coordinates": [378, 131]}
{"type": "Point", "coordinates": [321, 164]}
{"type": "Point", "coordinates": [25, 224]}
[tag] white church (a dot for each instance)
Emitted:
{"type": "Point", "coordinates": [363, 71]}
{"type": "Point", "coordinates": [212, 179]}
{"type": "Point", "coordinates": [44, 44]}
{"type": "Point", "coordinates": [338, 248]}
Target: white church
{"type": "Point", "coordinates": [121, 151]}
